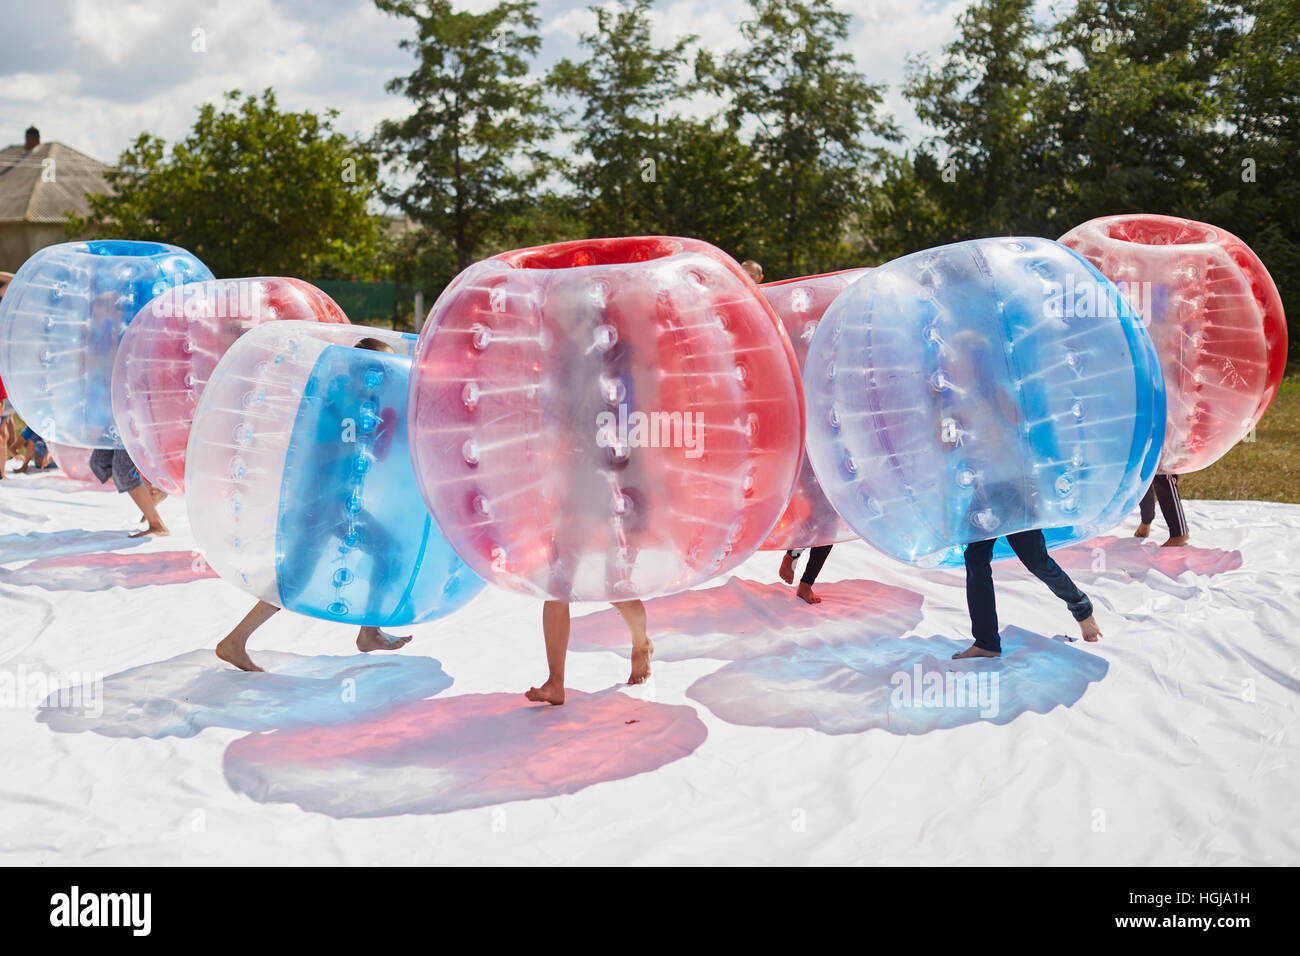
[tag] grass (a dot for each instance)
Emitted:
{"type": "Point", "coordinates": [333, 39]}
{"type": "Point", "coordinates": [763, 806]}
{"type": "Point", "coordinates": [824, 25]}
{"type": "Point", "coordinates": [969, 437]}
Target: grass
{"type": "Point", "coordinates": [1267, 469]}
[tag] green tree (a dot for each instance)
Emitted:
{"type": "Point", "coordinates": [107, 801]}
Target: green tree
{"type": "Point", "coordinates": [909, 209]}
{"type": "Point", "coordinates": [251, 191]}
{"type": "Point", "coordinates": [709, 182]}
{"type": "Point", "coordinates": [1143, 123]}
{"type": "Point", "coordinates": [808, 109]}
{"type": "Point", "coordinates": [1256, 188]}
{"type": "Point", "coordinates": [470, 154]}
{"type": "Point", "coordinates": [992, 167]}
{"type": "Point", "coordinates": [620, 88]}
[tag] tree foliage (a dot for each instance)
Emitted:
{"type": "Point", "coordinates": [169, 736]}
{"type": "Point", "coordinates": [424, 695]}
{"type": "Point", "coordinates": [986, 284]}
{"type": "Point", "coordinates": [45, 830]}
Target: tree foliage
{"type": "Point", "coordinates": [794, 91]}
{"type": "Point", "coordinates": [252, 190]}
{"type": "Point", "coordinates": [471, 154]}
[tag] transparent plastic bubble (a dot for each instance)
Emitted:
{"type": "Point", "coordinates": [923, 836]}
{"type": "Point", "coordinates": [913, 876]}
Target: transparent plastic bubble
{"type": "Point", "coordinates": [616, 441]}
{"type": "Point", "coordinates": [314, 513]}
{"type": "Point", "coordinates": [173, 346]}
{"type": "Point", "coordinates": [1214, 315]}
{"type": "Point", "coordinates": [956, 407]}
{"type": "Point", "coordinates": [61, 320]}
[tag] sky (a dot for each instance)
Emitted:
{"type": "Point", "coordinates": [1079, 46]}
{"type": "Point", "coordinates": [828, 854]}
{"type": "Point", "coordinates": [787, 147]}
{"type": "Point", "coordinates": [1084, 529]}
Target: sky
{"type": "Point", "coordinates": [94, 75]}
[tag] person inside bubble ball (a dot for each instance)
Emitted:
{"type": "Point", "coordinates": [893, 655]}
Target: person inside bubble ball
{"type": "Point", "coordinates": [115, 463]}
{"type": "Point", "coordinates": [233, 648]}
{"type": "Point", "coordinates": [984, 424]}
{"type": "Point", "coordinates": [1164, 488]}
{"type": "Point", "coordinates": [816, 559]}
{"type": "Point", "coordinates": [601, 472]}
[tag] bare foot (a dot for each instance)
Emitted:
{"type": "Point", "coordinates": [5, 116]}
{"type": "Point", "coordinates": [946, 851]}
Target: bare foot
{"type": "Point", "coordinates": [1143, 531]}
{"type": "Point", "coordinates": [805, 591]}
{"type": "Point", "coordinates": [641, 654]}
{"type": "Point", "coordinates": [787, 568]}
{"type": "Point", "coordinates": [548, 693]}
{"type": "Point", "coordinates": [975, 651]}
{"type": "Point", "coordinates": [373, 639]}
{"type": "Point", "coordinates": [232, 651]}
{"type": "Point", "coordinates": [1176, 542]}
{"type": "Point", "coordinates": [157, 530]}
{"type": "Point", "coordinates": [1091, 632]}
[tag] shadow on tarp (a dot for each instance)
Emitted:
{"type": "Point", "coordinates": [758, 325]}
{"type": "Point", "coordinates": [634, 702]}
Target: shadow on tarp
{"type": "Point", "coordinates": [903, 685]}
{"type": "Point", "coordinates": [743, 619]}
{"type": "Point", "coordinates": [1092, 560]}
{"type": "Point", "coordinates": [458, 753]}
{"type": "Point", "coordinates": [100, 572]}
{"type": "Point", "coordinates": [184, 695]}
{"type": "Point", "coordinates": [54, 544]}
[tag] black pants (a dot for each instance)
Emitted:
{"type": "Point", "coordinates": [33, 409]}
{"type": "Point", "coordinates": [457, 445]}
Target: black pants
{"type": "Point", "coordinates": [815, 561]}
{"type": "Point", "coordinates": [1031, 548]}
{"type": "Point", "coordinates": [1164, 488]}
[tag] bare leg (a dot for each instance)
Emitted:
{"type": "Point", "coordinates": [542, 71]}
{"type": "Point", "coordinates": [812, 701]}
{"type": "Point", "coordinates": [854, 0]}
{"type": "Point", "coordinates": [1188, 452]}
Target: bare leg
{"type": "Point", "coordinates": [787, 568]}
{"type": "Point", "coordinates": [555, 631]}
{"type": "Point", "coordinates": [633, 614]}
{"type": "Point", "coordinates": [233, 649]}
{"type": "Point", "coordinates": [1090, 629]}
{"type": "Point", "coordinates": [373, 639]}
{"type": "Point", "coordinates": [142, 495]}
{"type": "Point", "coordinates": [805, 591]}
{"type": "Point", "coordinates": [975, 651]}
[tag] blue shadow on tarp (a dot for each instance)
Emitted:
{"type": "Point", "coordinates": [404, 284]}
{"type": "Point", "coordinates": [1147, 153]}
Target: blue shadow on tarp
{"type": "Point", "coordinates": [903, 685]}
{"type": "Point", "coordinates": [54, 544]}
{"type": "Point", "coordinates": [184, 695]}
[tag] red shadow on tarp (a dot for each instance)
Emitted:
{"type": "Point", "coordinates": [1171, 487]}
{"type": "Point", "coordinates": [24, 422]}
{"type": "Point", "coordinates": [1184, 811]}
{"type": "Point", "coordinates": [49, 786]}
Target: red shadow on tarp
{"type": "Point", "coordinates": [742, 619]}
{"type": "Point", "coordinates": [99, 572]}
{"type": "Point", "coordinates": [456, 753]}
{"type": "Point", "coordinates": [1137, 558]}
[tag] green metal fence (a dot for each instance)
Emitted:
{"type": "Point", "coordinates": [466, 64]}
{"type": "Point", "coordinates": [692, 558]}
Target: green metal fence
{"type": "Point", "coordinates": [368, 302]}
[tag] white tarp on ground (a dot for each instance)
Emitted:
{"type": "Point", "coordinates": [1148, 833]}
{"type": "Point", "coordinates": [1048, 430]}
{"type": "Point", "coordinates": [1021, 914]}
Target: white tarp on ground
{"type": "Point", "coordinates": [770, 732]}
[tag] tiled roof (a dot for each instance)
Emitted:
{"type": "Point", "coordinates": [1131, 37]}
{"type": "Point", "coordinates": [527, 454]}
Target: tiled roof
{"type": "Point", "coordinates": [26, 197]}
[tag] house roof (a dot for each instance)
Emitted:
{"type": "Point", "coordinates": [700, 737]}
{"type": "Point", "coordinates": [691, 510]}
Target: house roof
{"type": "Point", "coordinates": [27, 197]}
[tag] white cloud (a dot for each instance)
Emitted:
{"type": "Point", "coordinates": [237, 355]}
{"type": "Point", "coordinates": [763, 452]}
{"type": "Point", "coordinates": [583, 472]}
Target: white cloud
{"type": "Point", "coordinates": [94, 75]}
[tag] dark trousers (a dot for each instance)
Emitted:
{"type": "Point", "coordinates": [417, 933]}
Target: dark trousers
{"type": "Point", "coordinates": [1031, 548]}
{"type": "Point", "coordinates": [1164, 488]}
{"type": "Point", "coordinates": [815, 561]}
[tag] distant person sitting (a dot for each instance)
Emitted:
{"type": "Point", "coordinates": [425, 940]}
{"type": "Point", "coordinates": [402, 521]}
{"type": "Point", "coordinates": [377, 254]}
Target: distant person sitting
{"type": "Point", "coordinates": [6, 427]}
{"type": "Point", "coordinates": [35, 450]}
{"type": "Point", "coordinates": [1164, 488]}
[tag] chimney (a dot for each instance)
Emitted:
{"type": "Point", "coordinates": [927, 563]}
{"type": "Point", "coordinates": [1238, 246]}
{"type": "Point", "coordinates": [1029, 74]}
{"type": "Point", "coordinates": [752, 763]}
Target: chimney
{"type": "Point", "coordinates": [33, 138]}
